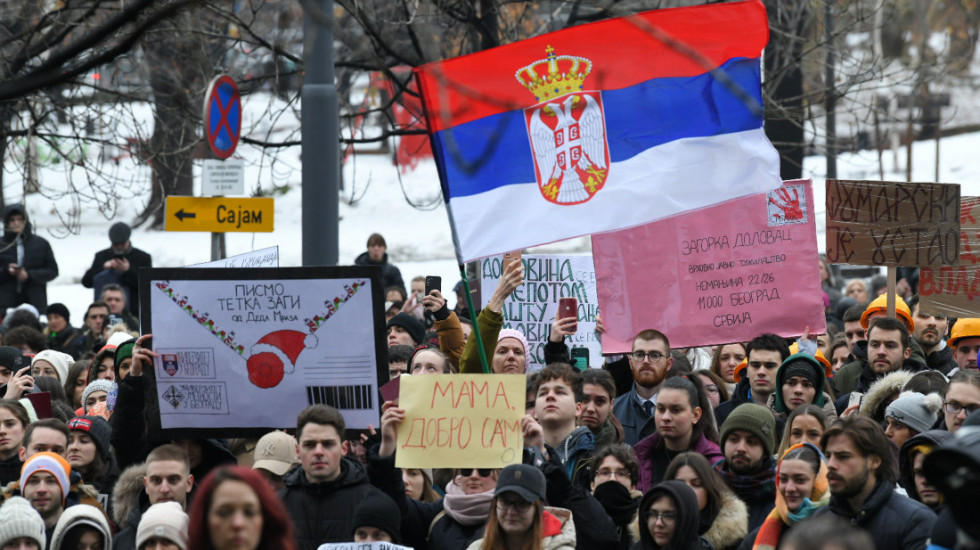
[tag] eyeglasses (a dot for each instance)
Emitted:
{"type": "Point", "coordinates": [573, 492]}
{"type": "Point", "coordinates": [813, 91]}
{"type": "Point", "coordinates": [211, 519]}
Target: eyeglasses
{"type": "Point", "coordinates": [519, 506]}
{"type": "Point", "coordinates": [667, 518]}
{"type": "Point", "coordinates": [653, 355]}
{"type": "Point", "coordinates": [621, 473]}
{"type": "Point", "coordinates": [711, 388]}
{"type": "Point", "coordinates": [955, 408]}
{"type": "Point", "coordinates": [482, 472]}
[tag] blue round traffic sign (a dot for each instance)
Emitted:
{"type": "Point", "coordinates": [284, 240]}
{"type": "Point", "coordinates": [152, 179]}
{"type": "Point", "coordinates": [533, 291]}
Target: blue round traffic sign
{"type": "Point", "coordinates": [222, 116]}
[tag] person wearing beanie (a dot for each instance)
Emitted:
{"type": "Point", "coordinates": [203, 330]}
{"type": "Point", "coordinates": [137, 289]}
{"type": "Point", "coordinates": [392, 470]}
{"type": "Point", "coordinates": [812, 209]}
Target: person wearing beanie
{"type": "Point", "coordinates": [801, 380]}
{"type": "Point", "coordinates": [81, 526]}
{"type": "Point", "coordinates": [748, 439]}
{"type": "Point", "coordinates": [21, 526]}
{"type": "Point", "coordinates": [511, 353]}
{"type": "Point", "coordinates": [119, 264]}
{"type": "Point", "coordinates": [45, 483]}
{"type": "Point", "coordinates": [96, 392]}
{"type": "Point", "coordinates": [89, 452]}
{"type": "Point", "coordinates": [377, 519]}
{"type": "Point", "coordinates": [61, 336]}
{"type": "Point", "coordinates": [51, 363]}
{"type": "Point", "coordinates": [165, 522]}
{"type": "Point", "coordinates": [124, 359]}
{"type": "Point", "coordinates": [405, 329]}
{"type": "Point", "coordinates": [11, 361]}
{"type": "Point", "coordinates": [911, 414]}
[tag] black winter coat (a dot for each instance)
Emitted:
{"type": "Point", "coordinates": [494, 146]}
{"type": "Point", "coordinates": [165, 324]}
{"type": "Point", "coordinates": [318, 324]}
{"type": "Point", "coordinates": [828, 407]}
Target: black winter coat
{"type": "Point", "coordinates": [130, 279]}
{"type": "Point", "coordinates": [71, 341]}
{"type": "Point", "coordinates": [10, 469]}
{"type": "Point", "coordinates": [390, 275]}
{"type": "Point", "coordinates": [892, 520]}
{"type": "Point", "coordinates": [38, 261]}
{"type": "Point", "coordinates": [323, 512]}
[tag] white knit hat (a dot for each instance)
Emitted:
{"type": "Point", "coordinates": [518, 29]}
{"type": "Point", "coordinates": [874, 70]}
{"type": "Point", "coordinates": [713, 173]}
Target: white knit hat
{"type": "Point", "coordinates": [918, 412]}
{"type": "Point", "coordinates": [60, 361]}
{"type": "Point", "coordinates": [81, 514]}
{"type": "Point", "coordinates": [19, 519]}
{"type": "Point", "coordinates": [166, 520]}
{"type": "Point", "coordinates": [97, 385]}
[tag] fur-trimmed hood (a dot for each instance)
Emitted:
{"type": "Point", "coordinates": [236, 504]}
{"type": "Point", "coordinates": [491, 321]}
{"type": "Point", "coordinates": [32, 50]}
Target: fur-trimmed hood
{"type": "Point", "coordinates": [730, 525]}
{"type": "Point", "coordinates": [878, 396]}
{"type": "Point", "coordinates": [127, 494]}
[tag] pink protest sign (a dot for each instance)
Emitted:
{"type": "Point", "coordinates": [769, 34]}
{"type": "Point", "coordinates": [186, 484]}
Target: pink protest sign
{"type": "Point", "coordinates": [721, 274]}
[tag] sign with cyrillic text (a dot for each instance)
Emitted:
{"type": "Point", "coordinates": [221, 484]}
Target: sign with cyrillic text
{"type": "Point", "coordinates": [954, 290]}
{"type": "Point", "coordinates": [244, 349]}
{"type": "Point", "coordinates": [532, 306]}
{"type": "Point", "coordinates": [723, 274]}
{"type": "Point", "coordinates": [892, 223]}
{"type": "Point", "coordinates": [362, 546]}
{"type": "Point", "coordinates": [461, 420]}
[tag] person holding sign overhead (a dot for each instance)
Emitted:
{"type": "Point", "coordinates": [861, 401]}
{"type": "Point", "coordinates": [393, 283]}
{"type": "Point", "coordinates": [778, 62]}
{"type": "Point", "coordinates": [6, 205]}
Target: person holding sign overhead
{"type": "Point", "coordinates": [490, 321]}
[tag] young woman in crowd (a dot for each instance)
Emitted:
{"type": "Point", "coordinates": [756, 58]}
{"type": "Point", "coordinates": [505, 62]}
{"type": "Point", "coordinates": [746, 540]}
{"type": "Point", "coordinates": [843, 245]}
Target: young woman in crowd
{"type": "Point", "coordinates": [519, 519]}
{"type": "Point", "coordinates": [911, 414]}
{"type": "Point", "coordinates": [504, 350]}
{"type": "Point", "coordinates": [75, 383]}
{"type": "Point", "coordinates": [89, 452]}
{"type": "Point", "coordinates": [614, 486]}
{"type": "Point", "coordinates": [801, 489]}
{"type": "Point", "coordinates": [418, 484]}
{"type": "Point", "coordinates": [724, 360]}
{"type": "Point", "coordinates": [724, 519]}
{"type": "Point", "coordinates": [857, 290]}
{"type": "Point", "coordinates": [669, 519]}
{"type": "Point", "coordinates": [804, 425]}
{"type": "Point", "coordinates": [13, 421]}
{"type": "Point", "coordinates": [232, 497]}
{"type": "Point", "coordinates": [685, 422]}
{"type": "Point", "coordinates": [715, 388]}
{"type": "Point", "coordinates": [81, 527]}
{"type": "Point", "coordinates": [839, 353]}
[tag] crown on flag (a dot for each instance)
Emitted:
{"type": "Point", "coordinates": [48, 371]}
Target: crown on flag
{"type": "Point", "coordinates": [555, 75]}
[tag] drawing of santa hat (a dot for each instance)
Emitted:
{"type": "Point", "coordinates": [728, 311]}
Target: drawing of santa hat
{"type": "Point", "coordinates": [275, 354]}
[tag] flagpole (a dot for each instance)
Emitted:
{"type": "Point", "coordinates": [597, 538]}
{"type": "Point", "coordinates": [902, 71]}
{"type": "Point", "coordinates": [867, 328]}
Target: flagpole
{"type": "Point", "coordinates": [476, 325]}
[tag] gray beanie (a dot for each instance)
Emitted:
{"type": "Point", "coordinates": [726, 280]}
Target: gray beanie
{"type": "Point", "coordinates": [19, 519]}
{"type": "Point", "coordinates": [918, 412]}
{"type": "Point", "coordinates": [165, 520]}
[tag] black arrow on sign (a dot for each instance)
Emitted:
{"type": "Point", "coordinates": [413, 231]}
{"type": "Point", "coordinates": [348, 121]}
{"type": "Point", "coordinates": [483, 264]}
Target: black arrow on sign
{"type": "Point", "coordinates": [181, 214]}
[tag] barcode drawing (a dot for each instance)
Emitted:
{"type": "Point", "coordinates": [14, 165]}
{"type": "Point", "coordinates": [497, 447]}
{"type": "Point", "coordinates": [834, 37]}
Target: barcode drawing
{"type": "Point", "coordinates": [342, 397]}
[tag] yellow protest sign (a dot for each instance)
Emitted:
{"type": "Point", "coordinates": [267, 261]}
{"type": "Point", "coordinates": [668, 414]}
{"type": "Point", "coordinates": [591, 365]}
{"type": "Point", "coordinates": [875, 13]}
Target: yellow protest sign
{"type": "Point", "coordinates": [461, 420]}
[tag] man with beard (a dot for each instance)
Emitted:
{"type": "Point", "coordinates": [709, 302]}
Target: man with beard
{"type": "Point", "coordinates": [965, 341]}
{"type": "Point", "coordinates": [649, 362]}
{"type": "Point", "coordinates": [861, 475]}
{"type": "Point", "coordinates": [930, 333]}
{"type": "Point", "coordinates": [747, 441]}
{"type": "Point", "coordinates": [763, 355]}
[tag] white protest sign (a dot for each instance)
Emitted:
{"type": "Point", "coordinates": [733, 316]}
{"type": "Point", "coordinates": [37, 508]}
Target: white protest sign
{"type": "Point", "coordinates": [363, 546]}
{"type": "Point", "coordinates": [265, 257]}
{"type": "Point", "coordinates": [532, 306]}
{"type": "Point", "coordinates": [251, 348]}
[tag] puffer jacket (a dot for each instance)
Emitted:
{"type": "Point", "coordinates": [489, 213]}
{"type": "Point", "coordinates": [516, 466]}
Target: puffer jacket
{"type": "Point", "coordinates": [892, 520]}
{"type": "Point", "coordinates": [558, 531]}
{"type": "Point", "coordinates": [323, 512]}
{"type": "Point", "coordinates": [730, 525]}
{"type": "Point", "coordinates": [129, 501]}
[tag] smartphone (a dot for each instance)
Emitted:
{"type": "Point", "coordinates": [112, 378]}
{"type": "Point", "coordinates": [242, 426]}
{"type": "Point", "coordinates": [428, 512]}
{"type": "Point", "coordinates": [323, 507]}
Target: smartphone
{"type": "Point", "coordinates": [567, 307]}
{"type": "Point", "coordinates": [580, 358]}
{"type": "Point", "coordinates": [855, 399]}
{"type": "Point", "coordinates": [509, 257]}
{"type": "Point", "coordinates": [432, 282]}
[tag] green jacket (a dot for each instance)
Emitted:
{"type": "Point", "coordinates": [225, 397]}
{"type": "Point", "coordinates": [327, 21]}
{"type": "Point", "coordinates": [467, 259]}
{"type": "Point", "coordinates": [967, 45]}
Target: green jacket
{"type": "Point", "coordinates": [489, 323]}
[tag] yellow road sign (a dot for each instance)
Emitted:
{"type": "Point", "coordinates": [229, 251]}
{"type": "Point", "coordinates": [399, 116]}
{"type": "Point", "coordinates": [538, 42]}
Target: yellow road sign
{"type": "Point", "coordinates": [220, 214]}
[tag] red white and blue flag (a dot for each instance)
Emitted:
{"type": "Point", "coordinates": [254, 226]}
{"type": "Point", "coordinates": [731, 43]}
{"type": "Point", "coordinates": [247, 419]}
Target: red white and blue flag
{"type": "Point", "coordinates": [600, 127]}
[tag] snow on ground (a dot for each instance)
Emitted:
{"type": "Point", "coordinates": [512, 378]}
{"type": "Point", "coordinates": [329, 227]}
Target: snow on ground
{"type": "Point", "coordinates": [375, 199]}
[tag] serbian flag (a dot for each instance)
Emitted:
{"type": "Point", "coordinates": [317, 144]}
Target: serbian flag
{"type": "Point", "coordinates": [600, 127]}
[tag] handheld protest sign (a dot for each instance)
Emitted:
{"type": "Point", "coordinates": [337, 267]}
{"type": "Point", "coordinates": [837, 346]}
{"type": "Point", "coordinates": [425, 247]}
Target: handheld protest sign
{"type": "Point", "coordinates": [240, 351]}
{"type": "Point", "coordinates": [955, 290]}
{"type": "Point", "coordinates": [886, 223]}
{"type": "Point", "coordinates": [456, 420]}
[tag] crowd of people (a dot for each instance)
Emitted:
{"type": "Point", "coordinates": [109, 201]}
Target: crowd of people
{"type": "Point", "coordinates": [839, 440]}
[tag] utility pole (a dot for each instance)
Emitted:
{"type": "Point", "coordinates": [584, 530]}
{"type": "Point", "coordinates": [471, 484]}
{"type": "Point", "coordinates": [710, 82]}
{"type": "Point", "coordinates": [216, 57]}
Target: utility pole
{"type": "Point", "coordinates": [321, 144]}
{"type": "Point", "coordinates": [830, 99]}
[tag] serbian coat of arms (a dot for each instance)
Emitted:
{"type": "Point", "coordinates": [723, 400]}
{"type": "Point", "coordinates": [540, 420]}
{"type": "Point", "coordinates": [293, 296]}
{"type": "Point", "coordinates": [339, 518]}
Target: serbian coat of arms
{"type": "Point", "coordinates": [566, 128]}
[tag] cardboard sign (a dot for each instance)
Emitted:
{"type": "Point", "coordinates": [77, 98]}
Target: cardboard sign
{"type": "Point", "coordinates": [723, 274]}
{"type": "Point", "coordinates": [240, 350]}
{"type": "Point", "coordinates": [955, 290]}
{"type": "Point", "coordinates": [892, 223]}
{"type": "Point", "coordinates": [457, 420]}
{"type": "Point", "coordinates": [533, 306]}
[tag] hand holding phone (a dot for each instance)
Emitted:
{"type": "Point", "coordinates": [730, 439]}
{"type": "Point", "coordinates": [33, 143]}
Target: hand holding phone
{"type": "Point", "coordinates": [432, 282]}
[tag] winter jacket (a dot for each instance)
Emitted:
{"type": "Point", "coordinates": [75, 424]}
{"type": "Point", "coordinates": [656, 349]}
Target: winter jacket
{"type": "Point", "coordinates": [558, 531]}
{"type": "Point", "coordinates": [390, 275]}
{"type": "Point", "coordinates": [490, 323]}
{"type": "Point", "coordinates": [636, 424]}
{"type": "Point", "coordinates": [867, 378]}
{"type": "Point", "coordinates": [739, 395]}
{"type": "Point", "coordinates": [757, 491]}
{"type": "Point", "coordinates": [596, 529]}
{"type": "Point", "coordinates": [323, 512]}
{"type": "Point", "coordinates": [451, 339]}
{"type": "Point", "coordinates": [10, 469]}
{"type": "Point", "coordinates": [942, 360]}
{"type": "Point", "coordinates": [621, 505]}
{"type": "Point", "coordinates": [647, 449]}
{"type": "Point", "coordinates": [128, 422]}
{"type": "Point", "coordinates": [129, 280]}
{"type": "Point", "coordinates": [70, 341]}
{"type": "Point", "coordinates": [685, 525]}
{"type": "Point", "coordinates": [881, 392]}
{"type": "Point", "coordinates": [129, 502]}
{"type": "Point", "coordinates": [730, 525]}
{"type": "Point", "coordinates": [575, 454]}
{"type": "Point", "coordinates": [858, 376]}
{"type": "Point", "coordinates": [892, 520]}
{"type": "Point", "coordinates": [38, 260]}
{"type": "Point", "coordinates": [610, 431]}
{"type": "Point", "coordinates": [931, 439]}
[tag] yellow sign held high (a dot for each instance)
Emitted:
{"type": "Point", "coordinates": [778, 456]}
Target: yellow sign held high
{"type": "Point", "coordinates": [461, 420]}
{"type": "Point", "coordinates": [220, 214]}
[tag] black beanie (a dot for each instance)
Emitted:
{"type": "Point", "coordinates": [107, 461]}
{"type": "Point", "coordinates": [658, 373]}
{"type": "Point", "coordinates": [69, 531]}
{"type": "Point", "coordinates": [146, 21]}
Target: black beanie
{"type": "Point", "coordinates": [58, 309]}
{"type": "Point", "coordinates": [412, 325]}
{"type": "Point", "coordinates": [97, 428]}
{"type": "Point", "coordinates": [378, 510]}
{"type": "Point", "coordinates": [804, 369]}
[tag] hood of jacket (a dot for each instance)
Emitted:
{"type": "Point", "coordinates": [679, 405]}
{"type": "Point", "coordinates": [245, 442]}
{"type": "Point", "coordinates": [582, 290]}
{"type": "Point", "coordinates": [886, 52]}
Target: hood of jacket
{"type": "Point", "coordinates": [819, 399]}
{"type": "Point", "coordinates": [731, 524]}
{"type": "Point", "coordinates": [564, 539]}
{"type": "Point", "coordinates": [878, 396]}
{"type": "Point", "coordinates": [352, 473]}
{"type": "Point", "coordinates": [686, 505]}
{"type": "Point", "coordinates": [129, 498]}
{"type": "Point", "coordinates": [81, 514]}
{"type": "Point", "coordinates": [931, 439]}
{"type": "Point", "coordinates": [10, 210]}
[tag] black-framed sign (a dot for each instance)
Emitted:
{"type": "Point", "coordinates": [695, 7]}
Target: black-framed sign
{"type": "Point", "coordinates": [240, 351]}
